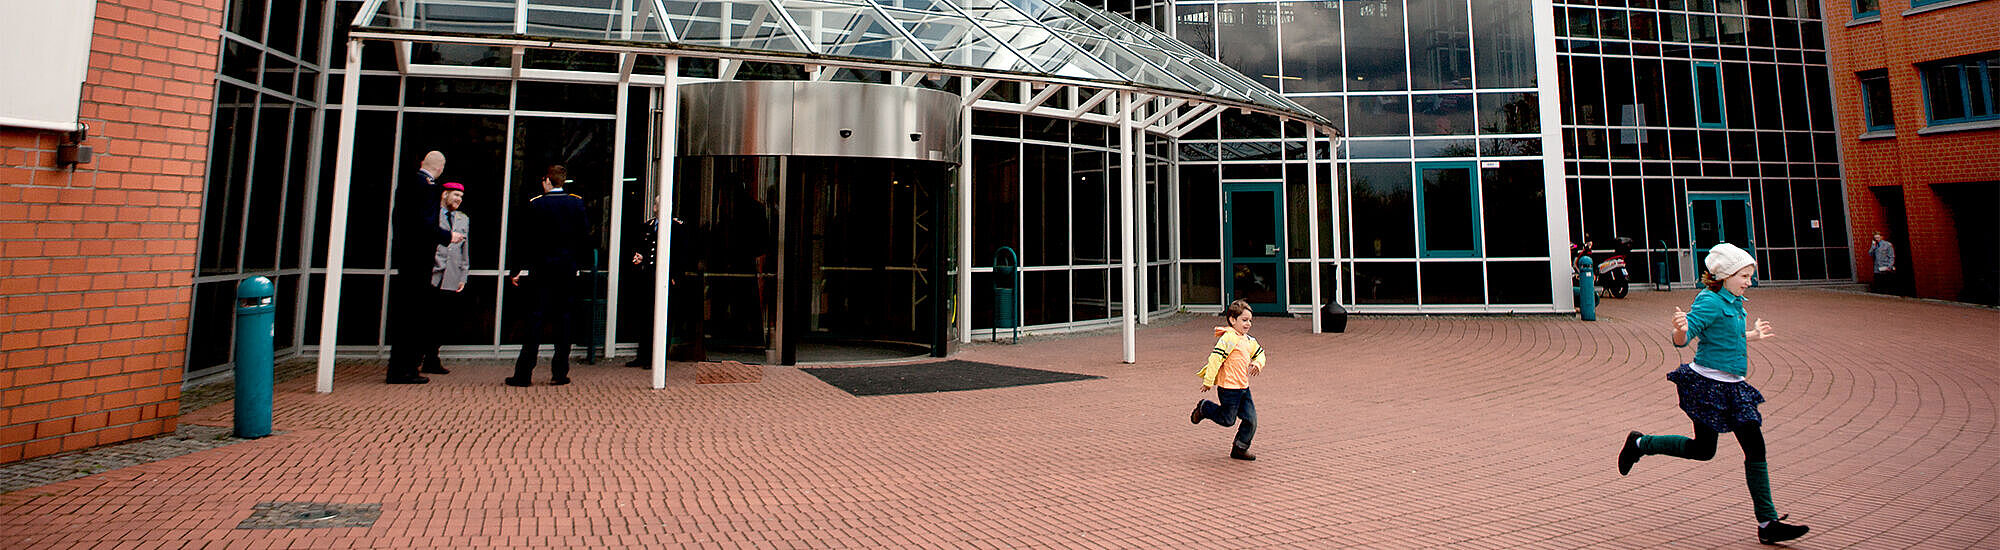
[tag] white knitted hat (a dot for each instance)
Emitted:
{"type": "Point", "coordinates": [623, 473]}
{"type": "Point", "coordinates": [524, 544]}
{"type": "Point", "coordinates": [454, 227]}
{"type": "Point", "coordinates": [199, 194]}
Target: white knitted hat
{"type": "Point", "coordinates": [1726, 259]}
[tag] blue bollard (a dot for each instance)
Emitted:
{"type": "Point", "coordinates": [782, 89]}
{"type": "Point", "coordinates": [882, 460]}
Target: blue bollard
{"type": "Point", "coordinates": [254, 317]}
{"type": "Point", "coordinates": [1586, 289]}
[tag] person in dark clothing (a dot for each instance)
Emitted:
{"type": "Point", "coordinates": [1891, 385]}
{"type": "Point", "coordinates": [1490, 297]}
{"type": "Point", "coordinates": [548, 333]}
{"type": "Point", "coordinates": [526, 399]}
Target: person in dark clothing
{"type": "Point", "coordinates": [644, 256]}
{"type": "Point", "coordinates": [552, 250]}
{"type": "Point", "coordinates": [413, 252]}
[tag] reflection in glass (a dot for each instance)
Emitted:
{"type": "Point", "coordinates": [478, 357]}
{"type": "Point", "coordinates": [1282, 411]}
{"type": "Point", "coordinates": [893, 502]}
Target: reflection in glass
{"type": "Point", "coordinates": [1375, 53]}
{"type": "Point", "coordinates": [1312, 47]}
{"type": "Point", "coordinates": [1441, 115]}
{"type": "Point", "coordinates": [1380, 200]}
{"type": "Point", "coordinates": [1247, 36]}
{"type": "Point", "coordinates": [1379, 115]}
{"type": "Point", "coordinates": [1440, 45]}
{"type": "Point", "coordinates": [1510, 113]}
{"type": "Point", "coordinates": [1504, 38]}
{"type": "Point", "coordinates": [1449, 216]}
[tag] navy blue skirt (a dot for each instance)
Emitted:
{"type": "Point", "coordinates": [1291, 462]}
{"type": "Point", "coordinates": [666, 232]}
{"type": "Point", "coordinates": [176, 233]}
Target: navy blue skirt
{"type": "Point", "coordinates": [1714, 404]}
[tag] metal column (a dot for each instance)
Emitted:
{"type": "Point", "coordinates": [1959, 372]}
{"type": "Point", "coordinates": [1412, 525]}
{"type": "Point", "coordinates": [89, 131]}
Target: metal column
{"type": "Point", "coordinates": [336, 241]}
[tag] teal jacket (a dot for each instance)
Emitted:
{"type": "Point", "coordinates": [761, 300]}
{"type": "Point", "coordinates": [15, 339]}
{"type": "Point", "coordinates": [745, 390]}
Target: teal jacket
{"type": "Point", "coordinates": [1717, 319]}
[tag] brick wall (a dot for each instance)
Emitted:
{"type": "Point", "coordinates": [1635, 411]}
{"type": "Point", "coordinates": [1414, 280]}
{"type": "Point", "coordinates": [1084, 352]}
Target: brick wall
{"type": "Point", "coordinates": [1897, 43]}
{"type": "Point", "coordinates": [96, 262]}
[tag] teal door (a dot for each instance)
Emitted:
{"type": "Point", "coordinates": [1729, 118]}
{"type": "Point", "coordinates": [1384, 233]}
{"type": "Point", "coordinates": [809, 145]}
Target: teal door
{"type": "Point", "coordinates": [1448, 210]}
{"type": "Point", "coordinates": [1253, 245]}
{"type": "Point", "coordinates": [1715, 218]}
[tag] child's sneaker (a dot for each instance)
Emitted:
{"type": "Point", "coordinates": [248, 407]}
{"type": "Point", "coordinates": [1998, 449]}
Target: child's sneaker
{"type": "Point", "coordinates": [1778, 531]}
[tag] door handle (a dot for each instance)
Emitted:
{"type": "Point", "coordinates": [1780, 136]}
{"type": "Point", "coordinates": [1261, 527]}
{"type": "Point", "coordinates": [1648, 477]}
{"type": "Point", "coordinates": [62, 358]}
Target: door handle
{"type": "Point", "coordinates": [1270, 250]}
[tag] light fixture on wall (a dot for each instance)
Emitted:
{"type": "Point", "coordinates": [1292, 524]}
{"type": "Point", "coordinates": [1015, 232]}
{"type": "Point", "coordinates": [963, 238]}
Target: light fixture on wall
{"type": "Point", "coordinates": [72, 151]}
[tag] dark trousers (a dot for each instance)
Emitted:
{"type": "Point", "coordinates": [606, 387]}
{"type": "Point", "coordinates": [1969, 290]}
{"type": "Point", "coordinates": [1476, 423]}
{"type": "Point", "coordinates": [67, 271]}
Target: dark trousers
{"type": "Point", "coordinates": [411, 334]}
{"type": "Point", "coordinates": [447, 322]}
{"type": "Point", "coordinates": [1749, 435]}
{"type": "Point", "coordinates": [641, 298]}
{"type": "Point", "coordinates": [552, 297]}
{"type": "Point", "coordinates": [1236, 405]}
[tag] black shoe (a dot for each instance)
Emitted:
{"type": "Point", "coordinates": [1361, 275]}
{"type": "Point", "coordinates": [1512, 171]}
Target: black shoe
{"type": "Point", "coordinates": [517, 382]}
{"type": "Point", "coordinates": [1241, 454]}
{"type": "Point", "coordinates": [1195, 417]}
{"type": "Point", "coordinates": [434, 370]}
{"type": "Point", "coordinates": [1779, 531]}
{"type": "Point", "coordinates": [410, 380]}
{"type": "Point", "coordinates": [558, 381]}
{"type": "Point", "coordinates": [1630, 454]}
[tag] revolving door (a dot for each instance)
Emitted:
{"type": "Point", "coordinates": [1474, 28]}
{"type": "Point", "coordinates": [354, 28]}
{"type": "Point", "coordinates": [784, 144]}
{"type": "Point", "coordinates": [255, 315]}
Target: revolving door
{"type": "Point", "coordinates": [807, 256]}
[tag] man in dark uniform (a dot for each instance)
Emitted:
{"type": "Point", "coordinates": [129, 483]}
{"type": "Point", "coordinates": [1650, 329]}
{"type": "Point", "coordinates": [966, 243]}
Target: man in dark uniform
{"type": "Point", "coordinates": [552, 250]}
{"type": "Point", "coordinates": [412, 254]}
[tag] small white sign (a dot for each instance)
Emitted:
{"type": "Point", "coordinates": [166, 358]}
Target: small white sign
{"type": "Point", "coordinates": [1815, 224]}
{"type": "Point", "coordinates": [1489, 164]}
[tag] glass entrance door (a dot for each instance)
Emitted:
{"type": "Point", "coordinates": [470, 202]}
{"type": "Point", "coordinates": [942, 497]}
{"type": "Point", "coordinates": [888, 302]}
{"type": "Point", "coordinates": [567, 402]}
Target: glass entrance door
{"type": "Point", "coordinates": [1253, 221]}
{"type": "Point", "coordinates": [1715, 218]}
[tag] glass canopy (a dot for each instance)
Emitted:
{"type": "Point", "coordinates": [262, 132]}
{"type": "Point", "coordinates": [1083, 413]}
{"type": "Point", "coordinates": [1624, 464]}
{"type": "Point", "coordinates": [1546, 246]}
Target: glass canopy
{"type": "Point", "coordinates": [1020, 38]}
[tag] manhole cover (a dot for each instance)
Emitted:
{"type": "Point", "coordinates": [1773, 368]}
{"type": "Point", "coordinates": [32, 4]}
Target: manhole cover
{"type": "Point", "coordinates": [309, 515]}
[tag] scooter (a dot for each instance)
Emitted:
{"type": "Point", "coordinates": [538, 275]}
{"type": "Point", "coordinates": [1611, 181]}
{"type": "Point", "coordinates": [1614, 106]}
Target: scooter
{"type": "Point", "coordinates": [1612, 275]}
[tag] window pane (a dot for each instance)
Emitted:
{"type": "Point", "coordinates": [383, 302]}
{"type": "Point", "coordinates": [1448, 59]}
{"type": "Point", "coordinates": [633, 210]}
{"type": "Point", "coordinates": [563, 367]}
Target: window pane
{"type": "Point", "coordinates": [1375, 45]}
{"type": "Point", "coordinates": [1380, 203]}
{"type": "Point", "coordinates": [1708, 94]}
{"type": "Point", "coordinates": [1247, 37]}
{"type": "Point", "coordinates": [1510, 113]}
{"type": "Point", "coordinates": [1454, 283]}
{"type": "Point", "coordinates": [1312, 47]}
{"type": "Point", "coordinates": [1379, 115]}
{"type": "Point", "coordinates": [1505, 40]}
{"type": "Point", "coordinates": [1196, 26]}
{"type": "Point", "coordinates": [1441, 115]}
{"type": "Point", "coordinates": [1515, 209]}
{"type": "Point", "coordinates": [1440, 45]}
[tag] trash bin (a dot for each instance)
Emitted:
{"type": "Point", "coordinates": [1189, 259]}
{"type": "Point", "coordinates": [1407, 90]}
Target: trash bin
{"type": "Point", "coordinates": [1006, 292]}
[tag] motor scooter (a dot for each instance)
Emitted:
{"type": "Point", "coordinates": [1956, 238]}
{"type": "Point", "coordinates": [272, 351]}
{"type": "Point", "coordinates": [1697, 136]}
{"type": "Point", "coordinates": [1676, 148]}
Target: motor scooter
{"type": "Point", "coordinates": [1612, 276]}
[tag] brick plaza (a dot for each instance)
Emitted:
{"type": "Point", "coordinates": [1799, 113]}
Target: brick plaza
{"type": "Point", "coordinates": [1406, 431]}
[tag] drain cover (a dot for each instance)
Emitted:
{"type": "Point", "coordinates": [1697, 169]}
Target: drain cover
{"type": "Point", "coordinates": [309, 515]}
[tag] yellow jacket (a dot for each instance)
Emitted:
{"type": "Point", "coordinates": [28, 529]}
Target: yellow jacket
{"type": "Point", "coordinates": [1229, 363]}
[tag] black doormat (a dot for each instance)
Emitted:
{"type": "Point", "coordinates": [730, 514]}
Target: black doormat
{"type": "Point", "coordinates": [941, 376]}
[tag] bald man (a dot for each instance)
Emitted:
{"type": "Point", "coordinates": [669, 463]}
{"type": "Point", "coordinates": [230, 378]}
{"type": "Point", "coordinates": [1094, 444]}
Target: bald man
{"type": "Point", "coordinates": [416, 235]}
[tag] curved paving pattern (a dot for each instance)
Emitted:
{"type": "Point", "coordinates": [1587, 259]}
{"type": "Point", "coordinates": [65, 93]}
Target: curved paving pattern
{"type": "Point", "coordinates": [1474, 432]}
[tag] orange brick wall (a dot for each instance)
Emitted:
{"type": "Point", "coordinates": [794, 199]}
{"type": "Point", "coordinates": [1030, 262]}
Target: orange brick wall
{"type": "Point", "coordinates": [1914, 162]}
{"type": "Point", "coordinates": [97, 262]}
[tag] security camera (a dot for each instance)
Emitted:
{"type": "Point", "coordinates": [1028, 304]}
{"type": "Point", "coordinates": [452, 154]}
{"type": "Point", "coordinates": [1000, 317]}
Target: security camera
{"type": "Point", "coordinates": [916, 136]}
{"type": "Point", "coordinates": [846, 133]}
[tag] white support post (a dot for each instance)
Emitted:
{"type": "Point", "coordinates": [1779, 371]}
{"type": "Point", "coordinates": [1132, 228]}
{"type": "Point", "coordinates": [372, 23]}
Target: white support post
{"type": "Point", "coordinates": [1125, 149]}
{"type": "Point", "coordinates": [336, 241]}
{"type": "Point", "coordinates": [614, 261]}
{"type": "Point", "coordinates": [1140, 217]}
{"type": "Point", "coordinates": [1312, 217]}
{"type": "Point", "coordinates": [964, 302]}
{"type": "Point", "coordinates": [663, 270]}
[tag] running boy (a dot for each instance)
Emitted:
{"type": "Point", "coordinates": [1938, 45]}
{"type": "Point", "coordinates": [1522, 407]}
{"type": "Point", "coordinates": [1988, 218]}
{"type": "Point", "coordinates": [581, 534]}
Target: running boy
{"type": "Point", "coordinates": [1712, 390]}
{"type": "Point", "coordinates": [1235, 358]}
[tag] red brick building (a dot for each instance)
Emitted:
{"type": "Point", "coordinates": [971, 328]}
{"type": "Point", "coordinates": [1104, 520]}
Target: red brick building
{"type": "Point", "coordinates": [97, 258]}
{"type": "Point", "coordinates": [1919, 128]}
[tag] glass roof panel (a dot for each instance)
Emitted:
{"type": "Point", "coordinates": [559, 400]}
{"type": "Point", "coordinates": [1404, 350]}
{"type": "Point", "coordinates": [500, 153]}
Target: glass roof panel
{"type": "Point", "coordinates": [958, 41]}
{"type": "Point", "coordinates": [466, 16]}
{"type": "Point", "coordinates": [621, 20]}
{"type": "Point", "coordinates": [854, 30]}
{"type": "Point", "coordinates": [1061, 38]}
{"type": "Point", "coordinates": [750, 25]}
{"type": "Point", "coordinates": [1054, 56]}
{"type": "Point", "coordinates": [1123, 61]}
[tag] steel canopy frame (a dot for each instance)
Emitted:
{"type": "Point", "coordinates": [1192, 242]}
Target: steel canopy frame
{"type": "Point", "coordinates": [1140, 109]}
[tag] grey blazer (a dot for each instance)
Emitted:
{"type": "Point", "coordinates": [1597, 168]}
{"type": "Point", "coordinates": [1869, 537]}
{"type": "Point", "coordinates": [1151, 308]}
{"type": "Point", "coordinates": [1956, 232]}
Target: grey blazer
{"type": "Point", "coordinates": [453, 260]}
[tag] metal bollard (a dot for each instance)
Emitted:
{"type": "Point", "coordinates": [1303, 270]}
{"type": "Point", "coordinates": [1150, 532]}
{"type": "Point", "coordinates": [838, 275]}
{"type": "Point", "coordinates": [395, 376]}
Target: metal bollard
{"type": "Point", "coordinates": [254, 317]}
{"type": "Point", "coordinates": [1586, 289]}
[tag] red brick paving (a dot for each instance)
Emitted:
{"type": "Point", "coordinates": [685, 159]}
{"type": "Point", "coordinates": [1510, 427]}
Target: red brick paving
{"type": "Point", "coordinates": [1472, 432]}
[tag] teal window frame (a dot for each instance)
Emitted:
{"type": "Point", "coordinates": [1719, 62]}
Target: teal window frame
{"type": "Point", "coordinates": [1973, 70]}
{"type": "Point", "coordinates": [1721, 110]}
{"type": "Point", "coordinates": [1916, 3]}
{"type": "Point", "coordinates": [1423, 235]}
{"type": "Point", "coordinates": [1871, 118]}
{"type": "Point", "coordinates": [1875, 9]}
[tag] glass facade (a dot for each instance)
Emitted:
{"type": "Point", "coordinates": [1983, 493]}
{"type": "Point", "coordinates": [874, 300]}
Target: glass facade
{"type": "Point", "coordinates": [1436, 199]}
{"type": "Point", "coordinates": [1690, 122]}
{"type": "Point", "coordinates": [1439, 191]}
